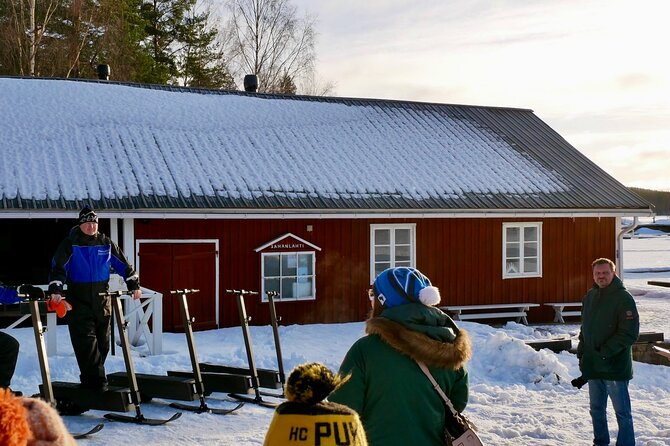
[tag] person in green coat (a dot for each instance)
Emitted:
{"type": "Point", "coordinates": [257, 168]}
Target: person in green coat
{"type": "Point", "coordinates": [394, 399]}
{"type": "Point", "coordinates": [610, 326]}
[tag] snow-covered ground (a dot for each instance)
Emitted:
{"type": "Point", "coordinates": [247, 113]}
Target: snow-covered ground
{"type": "Point", "coordinates": [518, 396]}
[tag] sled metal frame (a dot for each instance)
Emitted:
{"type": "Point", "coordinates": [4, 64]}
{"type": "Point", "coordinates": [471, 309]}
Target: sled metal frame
{"type": "Point", "coordinates": [139, 418]}
{"type": "Point", "coordinates": [270, 379]}
{"type": "Point", "coordinates": [253, 371]}
{"type": "Point", "coordinates": [190, 340]}
{"type": "Point", "coordinates": [50, 332]}
{"type": "Point", "coordinates": [177, 386]}
{"type": "Point", "coordinates": [47, 388]}
{"type": "Point", "coordinates": [274, 320]}
{"type": "Point", "coordinates": [115, 399]}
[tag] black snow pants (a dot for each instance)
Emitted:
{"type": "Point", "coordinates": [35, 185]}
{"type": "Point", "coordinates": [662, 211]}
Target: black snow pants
{"type": "Point", "coordinates": [9, 353]}
{"type": "Point", "coordinates": [89, 324]}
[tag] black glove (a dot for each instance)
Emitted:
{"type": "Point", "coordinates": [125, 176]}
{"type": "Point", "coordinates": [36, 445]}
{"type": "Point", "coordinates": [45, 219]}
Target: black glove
{"type": "Point", "coordinates": [33, 292]}
{"type": "Point", "coordinates": [55, 288]}
{"type": "Point", "coordinates": [578, 382]}
{"type": "Point", "coordinates": [133, 283]}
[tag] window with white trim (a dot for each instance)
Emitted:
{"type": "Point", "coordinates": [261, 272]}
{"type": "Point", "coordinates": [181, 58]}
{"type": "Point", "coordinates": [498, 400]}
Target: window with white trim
{"type": "Point", "coordinates": [391, 246]}
{"type": "Point", "coordinates": [522, 250]}
{"type": "Point", "coordinates": [291, 274]}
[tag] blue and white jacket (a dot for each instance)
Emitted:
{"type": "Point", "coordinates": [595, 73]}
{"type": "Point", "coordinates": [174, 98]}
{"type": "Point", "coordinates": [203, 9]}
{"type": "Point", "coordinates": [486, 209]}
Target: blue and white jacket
{"type": "Point", "coordinates": [85, 263]}
{"type": "Point", "coordinates": [8, 295]}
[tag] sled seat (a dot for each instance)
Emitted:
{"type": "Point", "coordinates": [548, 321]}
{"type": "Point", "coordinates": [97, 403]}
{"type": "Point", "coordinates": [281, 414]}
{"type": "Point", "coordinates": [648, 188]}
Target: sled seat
{"type": "Point", "coordinates": [115, 399]}
{"type": "Point", "coordinates": [157, 386]}
{"type": "Point", "coordinates": [266, 378]}
{"type": "Point", "coordinates": [219, 382]}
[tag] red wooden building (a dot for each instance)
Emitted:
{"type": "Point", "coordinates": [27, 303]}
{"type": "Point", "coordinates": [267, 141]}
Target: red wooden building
{"type": "Point", "coordinates": [307, 196]}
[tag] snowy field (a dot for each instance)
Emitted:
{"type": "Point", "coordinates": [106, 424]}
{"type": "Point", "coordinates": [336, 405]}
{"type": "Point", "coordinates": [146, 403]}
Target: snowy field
{"type": "Point", "coordinates": [518, 396]}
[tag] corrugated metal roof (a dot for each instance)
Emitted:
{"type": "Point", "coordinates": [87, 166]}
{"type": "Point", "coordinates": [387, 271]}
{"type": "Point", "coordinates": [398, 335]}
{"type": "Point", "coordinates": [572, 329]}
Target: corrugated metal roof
{"type": "Point", "coordinates": [235, 151]}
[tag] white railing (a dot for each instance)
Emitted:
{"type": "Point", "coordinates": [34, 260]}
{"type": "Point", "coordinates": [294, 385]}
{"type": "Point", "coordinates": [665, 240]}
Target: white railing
{"type": "Point", "coordinates": [137, 314]}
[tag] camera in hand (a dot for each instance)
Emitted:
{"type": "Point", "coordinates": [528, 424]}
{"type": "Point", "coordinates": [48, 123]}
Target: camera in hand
{"type": "Point", "coordinates": [579, 382]}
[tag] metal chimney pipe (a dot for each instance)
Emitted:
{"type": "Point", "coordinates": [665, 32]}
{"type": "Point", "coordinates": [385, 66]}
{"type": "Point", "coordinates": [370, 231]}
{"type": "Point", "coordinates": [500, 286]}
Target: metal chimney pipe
{"type": "Point", "coordinates": [251, 83]}
{"type": "Point", "coordinates": [103, 72]}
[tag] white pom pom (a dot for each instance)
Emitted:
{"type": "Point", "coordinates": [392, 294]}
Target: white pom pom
{"type": "Point", "coordinates": [430, 296]}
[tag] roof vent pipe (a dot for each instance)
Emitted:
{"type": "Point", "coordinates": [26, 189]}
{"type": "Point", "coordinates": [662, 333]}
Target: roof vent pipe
{"type": "Point", "coordinates": [103, 72]}
{"type": "Point", "coordinates": [251, 83]}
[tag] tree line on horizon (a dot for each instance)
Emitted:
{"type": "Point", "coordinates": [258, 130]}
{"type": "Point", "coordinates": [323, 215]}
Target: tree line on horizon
{"type": "Point", "coordinates": [660, 199]}
{"type": "Point", "coordinates": [174, 42]}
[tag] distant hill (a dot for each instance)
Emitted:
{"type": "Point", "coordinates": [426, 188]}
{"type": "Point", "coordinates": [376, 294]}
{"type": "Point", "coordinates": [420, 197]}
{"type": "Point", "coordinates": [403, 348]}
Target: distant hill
{"type": "Point", "coordinates": [660, 199]}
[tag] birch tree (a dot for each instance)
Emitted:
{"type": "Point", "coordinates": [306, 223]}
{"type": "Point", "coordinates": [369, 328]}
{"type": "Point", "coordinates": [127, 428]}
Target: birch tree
{"type": "Point", "coordinates": [23, 25]}
{"type": "Point", "coordinates": [268, 39]}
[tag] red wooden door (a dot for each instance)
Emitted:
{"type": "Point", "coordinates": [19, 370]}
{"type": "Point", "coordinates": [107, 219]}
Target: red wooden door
{"type": "Point", "coordinates": [171, 266]}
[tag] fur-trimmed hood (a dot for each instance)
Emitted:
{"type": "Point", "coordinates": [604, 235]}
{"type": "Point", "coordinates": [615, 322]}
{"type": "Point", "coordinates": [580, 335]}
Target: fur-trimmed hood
{"type": "Point", "coordinates": [424, 334]}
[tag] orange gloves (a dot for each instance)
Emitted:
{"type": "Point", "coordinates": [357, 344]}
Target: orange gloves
{"type": "Point", "coordinates": [60, 308]}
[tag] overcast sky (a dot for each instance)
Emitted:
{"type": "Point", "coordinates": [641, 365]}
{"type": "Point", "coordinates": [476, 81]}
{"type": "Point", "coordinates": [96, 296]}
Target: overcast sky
{"type": "Point", "coordinates": [597, 71]}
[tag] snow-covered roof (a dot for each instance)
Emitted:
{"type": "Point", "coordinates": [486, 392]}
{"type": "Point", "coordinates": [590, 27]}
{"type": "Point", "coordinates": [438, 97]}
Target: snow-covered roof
{"type": "Point", "coordinates": [143, 147]}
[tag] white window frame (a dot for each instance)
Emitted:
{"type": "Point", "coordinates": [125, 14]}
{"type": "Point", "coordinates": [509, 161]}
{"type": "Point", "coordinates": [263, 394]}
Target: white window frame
{"type": "Point", "coordinates": [392, 228]}
{"type": "Point", "coordinates": [264, 296]}
{"type": "Point", "coordinates": [521, 226]}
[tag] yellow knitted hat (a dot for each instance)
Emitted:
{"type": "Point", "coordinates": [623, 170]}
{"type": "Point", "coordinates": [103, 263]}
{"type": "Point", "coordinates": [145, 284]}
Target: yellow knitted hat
{"type": "Point", "coordinates": [305, 419]}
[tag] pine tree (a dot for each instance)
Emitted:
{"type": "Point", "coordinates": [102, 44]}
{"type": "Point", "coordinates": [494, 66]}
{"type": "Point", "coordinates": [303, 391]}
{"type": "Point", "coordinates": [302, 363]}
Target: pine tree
{"type": "Point", "coordinates": [162, 21]}
{"type": "Point", "coordinates": [200, 61]}
{"type": "Point", "coordinates": [286, 85]}
{"type": "Point", "coordinates": [120, 41]}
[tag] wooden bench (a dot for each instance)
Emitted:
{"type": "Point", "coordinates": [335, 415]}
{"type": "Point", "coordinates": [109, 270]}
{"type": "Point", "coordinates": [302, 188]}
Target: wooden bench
{"type": "Point", "coordinates": [518, 311]}
{"type": "Point", "coordinates": [659, 283]}
{"type": "Point", "coordinates": [650, 336]}
{"type": "Point", "coordinates": [559, 308]}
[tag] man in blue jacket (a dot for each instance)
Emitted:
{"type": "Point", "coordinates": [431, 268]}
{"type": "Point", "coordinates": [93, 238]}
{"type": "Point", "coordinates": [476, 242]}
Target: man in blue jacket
{"type": "Point", "coordinates": [84, 261]}
{"type": "Point", "coordinates": [610, 326]}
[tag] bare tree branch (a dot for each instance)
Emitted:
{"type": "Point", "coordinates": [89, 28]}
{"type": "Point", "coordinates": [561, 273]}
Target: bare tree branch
{"type": "Point", "coordinates": [266, 38]}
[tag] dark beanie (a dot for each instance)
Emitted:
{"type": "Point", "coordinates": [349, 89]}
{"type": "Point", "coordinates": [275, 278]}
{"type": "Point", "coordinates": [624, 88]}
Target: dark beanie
{"type": "Point", "coordinates": [87, 214]}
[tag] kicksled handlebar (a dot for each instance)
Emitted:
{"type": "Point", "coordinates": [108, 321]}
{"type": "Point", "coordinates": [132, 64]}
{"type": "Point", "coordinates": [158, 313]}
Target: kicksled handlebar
{"type": "Point", "coordinates": [185, 291]}
{"type": "Point", "coordinates": [117, 293]}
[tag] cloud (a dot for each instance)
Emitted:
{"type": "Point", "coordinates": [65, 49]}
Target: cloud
{"type": "Point", "coordinates": [595, 70]}
{"type": "Point", "coordinates": [637, 80]}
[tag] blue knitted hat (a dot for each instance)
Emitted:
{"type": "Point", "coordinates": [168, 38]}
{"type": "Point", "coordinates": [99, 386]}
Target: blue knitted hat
{"type": "Point", "coordinates": [399, 286]}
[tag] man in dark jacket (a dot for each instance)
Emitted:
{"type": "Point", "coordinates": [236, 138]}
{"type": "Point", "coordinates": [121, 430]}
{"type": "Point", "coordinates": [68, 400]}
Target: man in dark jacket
{"type": "Point", "coordinates": [395, 400]}
{"type": "Point", "coordinates": [610, 326]}
{"type": "Point", "coordinates": [84, 261]}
